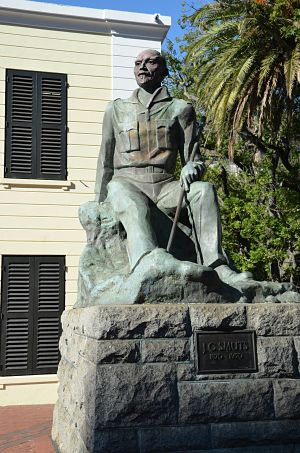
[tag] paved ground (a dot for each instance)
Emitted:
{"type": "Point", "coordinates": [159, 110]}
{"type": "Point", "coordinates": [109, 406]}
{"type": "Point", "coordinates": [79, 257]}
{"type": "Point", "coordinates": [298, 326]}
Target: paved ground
{"type": "Point", "coordinates": [26, 429]}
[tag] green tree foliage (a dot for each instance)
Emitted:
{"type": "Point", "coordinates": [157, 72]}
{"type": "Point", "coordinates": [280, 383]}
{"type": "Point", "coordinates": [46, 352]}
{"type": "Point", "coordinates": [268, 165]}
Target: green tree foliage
{"type": "Point", "coordinates": [240, 66]}
{"type": "Point", "coordinates": [248, 57]}
{"type": "Point", "coordinates": [261, 228]}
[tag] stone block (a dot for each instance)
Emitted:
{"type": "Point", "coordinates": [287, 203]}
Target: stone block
{"type": "Point", "coordinates": [169, 350]}
{"type": "Point", "coordinates": [129, 383]}
{"type": "Point", "coordinates": [116, 441]}
{"type": "Point", "coordinates": [187, 372]}
{"type": "Point", "coordinates": [274, 319]}
{"type": "Point", "coordinates": [254, 433]}
{"type": "Point", "coordinates": [69, 391]}
{"type": "Point", "coordinates": [297, 349]}
{"type": "Point", "coordinates": [65, 434]}
{"type": "Point", "coordinates": [83, 427]}
{"type": "Point", "coordinates": [117, 351]}
{"type": "Point", "coordinates": [69, 346]}
{"type": "Point", "coordinates": [276, 357]}
{"type": "Point", "coordinates": [65, 368]}
{"type": "Point", "coordinates": [203, 402]}
{"type": "Point", "coordinates": [282, 448]}
{"type": "Point", "coordinates": [129, 322]}
{"type": "Point", "coordinates": [134, 395]}
{"type": "Point", "coordinates": [287, 398]}
{"type": "Point", "coordinates": [218, 316]}
{"type": "Point", "coordinates": [74, 346]}
{"type": "Point", "coordinates": [171, 438]}
{"type": "Point", "coordinates": [278, 448]}
{"type": "Point", "coordinates": [77, 387]}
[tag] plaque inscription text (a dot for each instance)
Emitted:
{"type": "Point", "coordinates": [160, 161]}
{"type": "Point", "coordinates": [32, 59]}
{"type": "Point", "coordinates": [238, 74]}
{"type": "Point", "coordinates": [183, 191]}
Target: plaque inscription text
{"type": "Point", "coordinates": [225, 352]}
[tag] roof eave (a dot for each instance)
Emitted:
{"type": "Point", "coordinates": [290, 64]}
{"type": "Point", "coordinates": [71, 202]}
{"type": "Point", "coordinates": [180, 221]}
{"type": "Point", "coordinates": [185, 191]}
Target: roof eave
{"type": "Point", "coordinates": [87, 20]}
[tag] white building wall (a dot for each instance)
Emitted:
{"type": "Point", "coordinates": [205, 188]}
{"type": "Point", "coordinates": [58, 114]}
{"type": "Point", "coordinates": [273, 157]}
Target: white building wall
{"type": "Point", "coordinates": [96, 49]}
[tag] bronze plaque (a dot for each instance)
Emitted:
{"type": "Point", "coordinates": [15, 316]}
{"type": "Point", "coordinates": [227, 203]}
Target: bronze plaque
{"type": "Point", "coordinates": [226, 352]}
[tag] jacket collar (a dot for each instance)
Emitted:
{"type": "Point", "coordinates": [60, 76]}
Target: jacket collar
{"type": "Point", "coordinates": [161, 94]}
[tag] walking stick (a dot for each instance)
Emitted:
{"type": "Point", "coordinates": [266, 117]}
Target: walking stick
{"type": "Point", "coordinates": [180, 200]}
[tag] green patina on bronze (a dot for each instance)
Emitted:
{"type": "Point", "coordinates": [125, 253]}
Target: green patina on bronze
{"type": "Point", "coordinates": [125, 260]}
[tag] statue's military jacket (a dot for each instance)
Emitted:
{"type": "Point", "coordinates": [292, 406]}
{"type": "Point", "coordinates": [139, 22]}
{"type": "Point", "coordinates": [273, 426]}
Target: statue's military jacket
{"type": "Point", "coordinates": [136, 136]}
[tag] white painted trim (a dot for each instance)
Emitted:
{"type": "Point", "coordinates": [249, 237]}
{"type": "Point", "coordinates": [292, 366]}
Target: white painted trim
{"type": "Point", "coordinates": [79, 11]}
{"type": "Point", "coordinates": [90, 20]}
{"type": "Point", "coordinates": [32, 379]}
{"type": "Point", "coordinates": [7, 183]}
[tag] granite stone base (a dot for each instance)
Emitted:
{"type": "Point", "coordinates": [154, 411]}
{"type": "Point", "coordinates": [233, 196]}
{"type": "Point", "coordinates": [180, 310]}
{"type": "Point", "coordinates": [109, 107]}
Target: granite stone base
{"type": "Point", "coordinates": [129, 383]}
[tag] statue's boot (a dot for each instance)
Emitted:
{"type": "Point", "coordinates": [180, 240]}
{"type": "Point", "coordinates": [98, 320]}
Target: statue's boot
{"type": "Point", "coordinates": [160, 261]}
{"type": "Point", "coordinates": [231, 277]}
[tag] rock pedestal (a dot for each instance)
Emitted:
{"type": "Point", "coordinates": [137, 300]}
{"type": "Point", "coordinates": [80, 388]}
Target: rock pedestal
{"type": "Point", "coordinates": [129, 384]}
{"type": "Point", "coordinates": [159, 277]}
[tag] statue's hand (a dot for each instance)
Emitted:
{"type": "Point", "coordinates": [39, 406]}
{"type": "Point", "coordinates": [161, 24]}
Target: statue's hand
{"type": "Point", "coordinates": [192, 171]}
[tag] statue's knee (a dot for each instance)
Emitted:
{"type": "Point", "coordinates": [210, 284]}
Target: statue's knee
{"type": "Point", "coordinates": [199, 188]}
{"type": "Point", "coordinates": [125, 197]}
{"type": "Point", "coordinates": [120, 190]}
{"type": "Point", "coordinates": [114, 188]}
{"type": "Point", "coordinates": [117, 195]}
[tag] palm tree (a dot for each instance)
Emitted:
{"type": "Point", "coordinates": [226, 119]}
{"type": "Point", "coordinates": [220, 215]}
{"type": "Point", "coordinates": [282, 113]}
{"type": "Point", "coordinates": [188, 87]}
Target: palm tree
{"type": "Point", "coordinates": [248, 57]}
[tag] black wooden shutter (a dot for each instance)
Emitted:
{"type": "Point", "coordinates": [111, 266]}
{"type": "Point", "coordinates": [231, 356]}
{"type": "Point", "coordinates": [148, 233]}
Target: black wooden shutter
{"type": "Point", "coordinates": [32, 302]}
{"type": "Point", "coordinates": [17, 314]}
{"type": "Point", "coordinates": [49, 297]}
{"type": "Point", "coordinates": [51, 135]}
{"type": "Point", "coordinates": [21, 117]}
{"type": "Point", "coordinates": [36, 125]}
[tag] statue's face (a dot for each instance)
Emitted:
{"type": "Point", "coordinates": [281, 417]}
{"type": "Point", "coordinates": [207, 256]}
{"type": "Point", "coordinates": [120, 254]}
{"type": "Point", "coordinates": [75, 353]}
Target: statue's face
{"type": "Point", "coordinates": [149, 70]}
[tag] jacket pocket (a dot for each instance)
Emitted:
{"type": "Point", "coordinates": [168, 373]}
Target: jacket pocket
{"type": "Point", "coordinates": [129, 137]}
{"type": "Point", "coordinates": [163, 134]}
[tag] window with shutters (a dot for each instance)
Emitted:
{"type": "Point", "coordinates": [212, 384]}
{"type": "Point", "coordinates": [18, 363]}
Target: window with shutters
{"type": "Point", "coordinates": [33, 292]}
{"type": "Point", "coordinates": [36, 125]}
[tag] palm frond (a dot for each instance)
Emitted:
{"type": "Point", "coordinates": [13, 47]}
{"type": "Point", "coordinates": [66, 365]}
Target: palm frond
{"type": "Point", "coordinates": [248, 64]}
{"type": "Point", "coordinates": [291, 69]}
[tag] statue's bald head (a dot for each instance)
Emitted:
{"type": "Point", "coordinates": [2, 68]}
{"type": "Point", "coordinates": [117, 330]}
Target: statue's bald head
{"type": "Point", "coordinates": [150, 69]}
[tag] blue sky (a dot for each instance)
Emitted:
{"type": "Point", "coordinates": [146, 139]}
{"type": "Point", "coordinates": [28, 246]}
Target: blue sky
{"type": "Point", "coordinates": [171, 8]}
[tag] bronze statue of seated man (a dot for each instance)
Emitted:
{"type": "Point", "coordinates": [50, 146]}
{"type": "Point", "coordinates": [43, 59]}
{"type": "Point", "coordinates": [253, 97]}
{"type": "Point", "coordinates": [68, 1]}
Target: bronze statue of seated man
{"type": "Point", "coordinates": [141, 138]}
